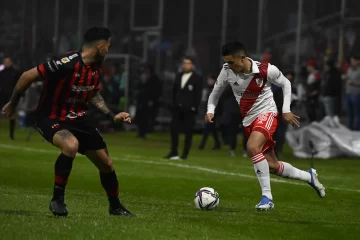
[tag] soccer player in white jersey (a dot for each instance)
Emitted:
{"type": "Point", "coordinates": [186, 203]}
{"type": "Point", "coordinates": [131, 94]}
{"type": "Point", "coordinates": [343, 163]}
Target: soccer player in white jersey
{"type": "Point", "coordinates": [251, 83]}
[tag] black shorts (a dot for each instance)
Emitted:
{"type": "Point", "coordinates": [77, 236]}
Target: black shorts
{"type": "Point", "coordinates": [88, 136]}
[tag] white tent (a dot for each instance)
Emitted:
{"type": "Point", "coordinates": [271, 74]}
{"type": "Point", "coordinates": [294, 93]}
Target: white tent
{"type": "Point", "coordinates": [325, 139]}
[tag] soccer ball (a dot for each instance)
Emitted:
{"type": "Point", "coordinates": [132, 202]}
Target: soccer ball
{"type": "Point", "coordinates": [206, 199]}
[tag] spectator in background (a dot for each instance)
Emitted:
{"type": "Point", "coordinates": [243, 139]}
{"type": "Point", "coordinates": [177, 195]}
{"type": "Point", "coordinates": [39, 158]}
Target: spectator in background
{"type": "Point", "coordinates": [209, 127]}
{"type": "Point", "coordinates": [280, 133]}
{"type": "Point", "coordinates": [144, 102]}
{"type": "Point", "coordinates": [31, 100]}
{"type": "Point", "coordinates": [231, 118]}
{"type": "Point", "coordinates": [8, 79]}
{"type": "Point", "coordinates": [352, 92]}
{"type": "Point", "coordinates": [156, 93]}
{"type": "Point", "coordinates": [330, 88]}
{"type": "Point", "coordinates": [187, 91]}
{"type": "Point", "coordinates": [313, 90]}
{"type": "Point", "coordinates": [110, 92]}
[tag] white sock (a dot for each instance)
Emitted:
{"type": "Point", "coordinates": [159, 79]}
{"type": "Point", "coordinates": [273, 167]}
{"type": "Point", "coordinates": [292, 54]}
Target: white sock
{"type": "Point", "coordinates": [262, 172]}
{"type": "Point", "coordinates": [286, 170]}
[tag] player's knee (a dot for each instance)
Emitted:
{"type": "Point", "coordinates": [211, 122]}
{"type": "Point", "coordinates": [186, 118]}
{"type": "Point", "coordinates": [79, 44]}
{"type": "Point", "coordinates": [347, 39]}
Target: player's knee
{"type": "Point", "coordinates": [108, 166]}
{"type": "Point", "coordinates": [253, 148]}
{"type": "Point", "coordinates": [70, 147]}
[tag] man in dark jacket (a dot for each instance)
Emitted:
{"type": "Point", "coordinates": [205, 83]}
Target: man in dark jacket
{"type": "Point", "coordinates": [8, 79]}
{"type": "Point", "coordinates": [144, 102]}
{"type": "Point", "coordinates": [330, 88]}
{"type": "Point", "coordinates": [209, 127]}
{"type": "Point", "coordinates": [187, 93]}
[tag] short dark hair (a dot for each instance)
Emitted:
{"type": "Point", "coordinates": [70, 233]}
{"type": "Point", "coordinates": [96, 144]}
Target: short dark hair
{"type": "Point", "coordinates": [355, 56]}
{"type": "Point", "coordinates": [96, 34]}
{"type": "Point", "coordinates": [189, 58]}
{"type": "Point", "coordinates": [232, 47]}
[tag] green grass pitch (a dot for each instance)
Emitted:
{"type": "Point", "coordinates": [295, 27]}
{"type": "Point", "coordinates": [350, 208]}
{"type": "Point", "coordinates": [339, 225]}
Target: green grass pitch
{"type": "Point", "coordinates": [161, 193]}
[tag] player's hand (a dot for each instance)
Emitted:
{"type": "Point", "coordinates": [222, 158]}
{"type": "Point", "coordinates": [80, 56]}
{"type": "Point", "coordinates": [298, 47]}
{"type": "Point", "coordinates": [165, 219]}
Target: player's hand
{"type": "Point", "coordinates": [292, 119]}
{"type": "Point", "coordinates": [9, 110]}
{"type": "Point", "coordinates": [122, 117]}
{"type": "Point", "coordinates": [209, 118]}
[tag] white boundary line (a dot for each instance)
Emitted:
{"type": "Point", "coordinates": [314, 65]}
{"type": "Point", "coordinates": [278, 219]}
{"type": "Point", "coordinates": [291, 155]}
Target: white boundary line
{"type": "Point", "coordinates": [134, 159]}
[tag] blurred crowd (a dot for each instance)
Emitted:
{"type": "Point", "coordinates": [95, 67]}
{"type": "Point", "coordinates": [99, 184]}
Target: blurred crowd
{"type": "Point", "coordinates": [323, 89]}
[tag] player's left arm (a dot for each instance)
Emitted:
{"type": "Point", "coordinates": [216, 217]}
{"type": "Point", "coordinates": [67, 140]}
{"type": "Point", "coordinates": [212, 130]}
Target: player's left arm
{"type": "Point", "coordinates": [98, 101]}
{"type": "Point", "coordinates": [276, 77]}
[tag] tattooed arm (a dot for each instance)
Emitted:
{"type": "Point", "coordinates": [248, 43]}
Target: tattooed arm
{"type": "Point", "coordinates": [99, 103]}
{"type": "Point", "coordinates": [26, 79]}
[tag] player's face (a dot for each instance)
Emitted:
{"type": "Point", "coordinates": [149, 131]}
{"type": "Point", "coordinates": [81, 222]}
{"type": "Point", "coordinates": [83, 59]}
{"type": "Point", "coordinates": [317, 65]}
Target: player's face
{"type": "Point", "coordinates": [354, 62]}
{"type": "Point", "coordinates": [187, 65]}
{"type": "Point", "coordinates": [103, 49]}
{"type": "Point", "coordinates": [290, 77]}
{"type": "Point", "coordinates": [7, 62]}
{"type": "Point", "coordinates": [236, 62]}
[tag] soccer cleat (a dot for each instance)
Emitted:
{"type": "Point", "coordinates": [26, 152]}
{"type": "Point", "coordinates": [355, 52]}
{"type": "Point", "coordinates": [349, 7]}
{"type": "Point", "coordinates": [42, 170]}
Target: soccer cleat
{"type": "Point", "coordinates": [315, 183]}
{"type": "Point", "coordinates": [58, 207]}
{"type": "Point", "coordinates": [120, 211]}
{"type": "Point", "coordinates": [175, 158]}
{"type": "Point", "coordinates": [265, 204]}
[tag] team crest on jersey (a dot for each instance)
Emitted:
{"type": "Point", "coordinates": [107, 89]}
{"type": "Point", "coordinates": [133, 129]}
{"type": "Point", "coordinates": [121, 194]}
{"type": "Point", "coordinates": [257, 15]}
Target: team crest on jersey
{"type": "Point", "coordinates": [259, 82]}
{"type": "Point", "coordinates": [190, 87]}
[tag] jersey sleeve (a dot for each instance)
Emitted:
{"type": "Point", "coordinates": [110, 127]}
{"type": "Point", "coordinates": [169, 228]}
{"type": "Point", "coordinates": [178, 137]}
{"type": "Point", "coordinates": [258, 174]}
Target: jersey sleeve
{"type": "Point", "coordinates": [219, 87]}
{"type": "Point", "coordinates": [57, 67]}
{"type": "Point", "coordinates": [276, 77]}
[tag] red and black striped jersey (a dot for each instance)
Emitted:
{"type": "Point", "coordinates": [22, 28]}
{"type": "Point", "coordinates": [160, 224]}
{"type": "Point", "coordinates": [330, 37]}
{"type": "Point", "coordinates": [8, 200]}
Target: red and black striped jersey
{"type": "Point", "coordinates": [69, 85]}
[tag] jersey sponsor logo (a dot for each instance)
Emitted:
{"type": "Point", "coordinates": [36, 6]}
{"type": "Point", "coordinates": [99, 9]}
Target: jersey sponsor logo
{"type": "Point", "coordinates": [250, 94]}
{"type": "Point", "coordinates": [259, 82]}
{"type": "Point", "coordinates": [50, 67]}
{"type": "Point", "coordinates": [82, 88]}
{"type": "Point", "coordinates": [75, 100]}
{"type": "Point", "coordinates": [73, 56]}
{"type": "Point", "coordinates": [67, 59]}
{"type": "Point", "coordinates": [73, 115]}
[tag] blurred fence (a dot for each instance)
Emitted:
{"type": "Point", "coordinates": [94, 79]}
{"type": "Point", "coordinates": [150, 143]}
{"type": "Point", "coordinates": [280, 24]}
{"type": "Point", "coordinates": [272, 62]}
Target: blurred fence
{"type": "Point", "coordinates": [32, 29]}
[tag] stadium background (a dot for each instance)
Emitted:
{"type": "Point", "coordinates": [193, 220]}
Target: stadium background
{"type": "Point", "coordinates": [33, 30]}
{"type": "Point", "coordinates": [161, 192]}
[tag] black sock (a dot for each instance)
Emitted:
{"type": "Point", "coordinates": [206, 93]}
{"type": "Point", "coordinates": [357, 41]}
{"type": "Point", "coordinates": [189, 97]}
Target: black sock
{"type": "Point", "coordinates": [63, 167]}
{"type": "Point", "coordinates": [12, 128]}
{"type": "Point", "coordinates": [110, 183]}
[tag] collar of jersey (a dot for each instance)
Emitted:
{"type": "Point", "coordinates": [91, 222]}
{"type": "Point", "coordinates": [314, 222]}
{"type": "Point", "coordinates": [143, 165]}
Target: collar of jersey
{"type": "Point", "coordinates": [255, 68]}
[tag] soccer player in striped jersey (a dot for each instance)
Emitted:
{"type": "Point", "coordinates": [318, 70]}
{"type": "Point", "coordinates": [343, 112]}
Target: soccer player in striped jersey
{"type": "Point", "coordinates": [251, 84]}
{"type": "Point", "coordinates": [71, 82]}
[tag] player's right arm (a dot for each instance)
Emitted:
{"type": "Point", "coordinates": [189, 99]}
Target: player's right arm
{"type": "Point", "coordinates": [54, 68]}
{"type": "Point", "coordinates": [26, 79]}
{"type": "Point", "coordinates": [213, 100]}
